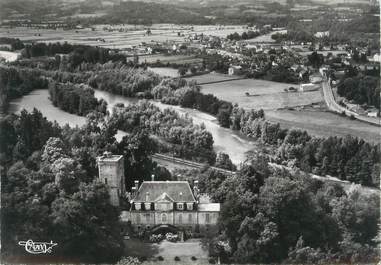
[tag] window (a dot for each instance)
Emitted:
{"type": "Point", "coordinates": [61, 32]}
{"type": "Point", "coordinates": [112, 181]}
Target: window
{"type": "Point", "coordinates": [190, 218]}
{"type": "Point", "coordinates": [207, 218]}
{"type": "Point", "coordinates": [148, 217]}
{"type": "Point", "coordinates": [180, 218]}
{"type": "Point", "coordinates": [138, 218]}
{"type": "Point", "coordinates": [137, 206]}
{"type": "Point", "coordinates": [180, 206]}
{"type": "Point", "coordinates": [106, 181]}
{"type": "Point", "coordinates": [163, 218]}
{"type": "Point", "coordinates": [189, 206]}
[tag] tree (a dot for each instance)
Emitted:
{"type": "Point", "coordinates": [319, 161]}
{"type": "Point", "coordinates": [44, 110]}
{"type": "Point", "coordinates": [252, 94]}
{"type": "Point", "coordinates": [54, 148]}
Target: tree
{"type": "Point", "coordinates": [182, 71]}
{"type": "Point", "coordinates": [223, 161]}
{"type": "Point", "coordinates": [316, 59]}
{"type": "Point", "coordinates": [136, 150]}
{"type": "Point", "coordinates": [87, 216]}
{"type": "Point", "coordinates": [287, 203]}
{"type": "Point", "coordinates": [223, 117]}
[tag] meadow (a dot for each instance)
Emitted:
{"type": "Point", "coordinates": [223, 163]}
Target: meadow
{"type": "Point", "coordinates": [324, 124]}
{"type": "Point", "coordinates": [263, 94]}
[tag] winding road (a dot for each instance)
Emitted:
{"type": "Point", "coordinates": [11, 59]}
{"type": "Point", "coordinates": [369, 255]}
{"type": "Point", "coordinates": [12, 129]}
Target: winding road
{"type": "Point", "coordinates": [332, 105]}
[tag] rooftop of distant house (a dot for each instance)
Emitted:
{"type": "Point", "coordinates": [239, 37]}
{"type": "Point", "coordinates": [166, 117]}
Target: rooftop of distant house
{"type": "Point", "coordinates": [172, 191]}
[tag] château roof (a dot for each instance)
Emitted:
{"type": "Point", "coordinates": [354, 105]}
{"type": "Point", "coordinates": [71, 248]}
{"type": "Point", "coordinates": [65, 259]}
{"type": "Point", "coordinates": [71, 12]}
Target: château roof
{"type": "Point", "coordinates": [175, 191]}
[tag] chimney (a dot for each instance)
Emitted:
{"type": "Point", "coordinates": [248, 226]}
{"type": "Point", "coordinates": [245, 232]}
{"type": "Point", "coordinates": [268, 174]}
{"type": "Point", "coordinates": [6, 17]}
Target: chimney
{"type": "Point", "coordinates": [147, 196]}
{"type": "Point", "coordinates": [180, 196]}
{"type": "Point", "coordinates": [195, 189]}
{"type": "Point", "coordinates": [136, 185]}
{"type": "Point", "coordinates": [153, 177]}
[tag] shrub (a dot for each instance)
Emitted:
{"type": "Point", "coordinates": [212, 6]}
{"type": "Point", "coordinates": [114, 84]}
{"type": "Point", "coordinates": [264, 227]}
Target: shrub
{"type": "Point", "coordinates": [193, 258]}
{"type": "Point", "coordinates": [128, 261]}
{"type": "Point", "coordinates": [156, 238]}
{"type": "Point", "coordinates": [160, 258]}
{"type": "Point", "coordinates": [171, 237]}
{"type": "Point", "coordinates": [177, 258]}
{"type": "Point", "coordinates": [212, 261]}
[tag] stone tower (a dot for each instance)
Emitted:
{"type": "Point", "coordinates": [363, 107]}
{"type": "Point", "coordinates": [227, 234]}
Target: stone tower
{"type": "Point", "coordinates": [111, 173]}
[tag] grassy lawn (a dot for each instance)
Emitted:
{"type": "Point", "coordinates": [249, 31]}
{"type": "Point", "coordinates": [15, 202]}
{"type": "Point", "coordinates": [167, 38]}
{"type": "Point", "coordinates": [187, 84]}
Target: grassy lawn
{"type": "Point", "coordinates": [168, 250]}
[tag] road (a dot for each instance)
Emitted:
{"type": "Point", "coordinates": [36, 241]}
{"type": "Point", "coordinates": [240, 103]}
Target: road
{"type": "Point", "coordinates": [332, 105]}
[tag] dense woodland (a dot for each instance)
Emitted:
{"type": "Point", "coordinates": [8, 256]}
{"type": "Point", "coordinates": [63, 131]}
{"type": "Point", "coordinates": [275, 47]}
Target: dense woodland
{"type": "Point", "coordinates": [16, 82]}
{"type": "Point", "coordinates": [361, 89]}
{"type": "Point", "coordinates": [48, 183]}
{"type": "Point", "coordinates": [49, 189]}
{"type": "Point", "coordinates": [15, 44]}
{"type": "Point", "coordinates": [246, 35]}
{"type": "Point", "coordinates": [76, 99]}
{"type": "Point", "coordinates": [185, 139]}
{"type": "Point", "coordinates": [272, 215]}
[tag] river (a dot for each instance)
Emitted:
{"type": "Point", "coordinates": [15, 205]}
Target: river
{"type": "Point", "coordinates": [225, 140]}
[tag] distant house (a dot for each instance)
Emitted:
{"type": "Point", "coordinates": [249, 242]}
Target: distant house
{"type": "Point", "coordinates": [376, 57]}
{"type": "Point", "coordinates": [308, 87]}
{"type": "Point", "coordinates": [315, 79]}
{"type": "Point", "coordinates": [321, 34]}
{"type": "Point", "coordinates": [235, 70]}
{"type": "Point", "coordinates": [373, 112]}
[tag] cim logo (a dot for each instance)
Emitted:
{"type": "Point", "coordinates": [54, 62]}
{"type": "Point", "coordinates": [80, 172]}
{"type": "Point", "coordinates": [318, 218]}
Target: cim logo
{"type": "Point", "coordinates": [37, 247]}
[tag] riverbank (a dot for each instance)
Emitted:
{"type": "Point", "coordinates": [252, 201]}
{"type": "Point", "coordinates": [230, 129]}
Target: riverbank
{"type": "Point", "coordinates": [225, 140]}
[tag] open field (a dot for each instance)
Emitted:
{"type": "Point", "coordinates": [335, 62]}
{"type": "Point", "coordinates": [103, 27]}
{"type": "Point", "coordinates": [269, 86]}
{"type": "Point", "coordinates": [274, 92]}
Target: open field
{"type": "Point", "coordinates": [164, 71]}
{"type": "Point", "coordinates": [9, 56]}
{"type": "Point", "coordinates": [263, 94]}
{"type": "Point", "coordinates": [271, 97]}
{"type": "Point", "coordinates": [324, 124]}
{"type": "Point", "coordinates": [129, 35]}
{"type": "Point", "coordinates": [211, 77]}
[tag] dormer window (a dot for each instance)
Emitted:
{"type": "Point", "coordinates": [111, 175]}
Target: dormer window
{"type": "Point", "coordinates": [190, 206]}
{"type": "Point", "coordinates": [180, 206]}
{"type": "Point", "coordinates": [137, 206]}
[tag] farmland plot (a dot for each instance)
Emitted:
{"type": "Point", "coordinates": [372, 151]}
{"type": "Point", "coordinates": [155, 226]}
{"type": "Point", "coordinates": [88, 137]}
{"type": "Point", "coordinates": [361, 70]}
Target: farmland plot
{"type": "Point", "coordinates": [129, 35]}
{"type": "Point", "coordinates": [324, 124]}
{"type": "Point", "coordinates": [256, 94]}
